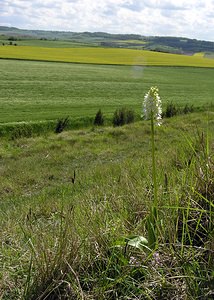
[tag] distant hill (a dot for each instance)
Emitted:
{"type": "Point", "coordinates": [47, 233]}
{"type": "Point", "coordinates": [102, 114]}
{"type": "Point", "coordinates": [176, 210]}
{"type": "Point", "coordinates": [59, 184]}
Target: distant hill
{"type": "Point", "coordinates": [178, 45]}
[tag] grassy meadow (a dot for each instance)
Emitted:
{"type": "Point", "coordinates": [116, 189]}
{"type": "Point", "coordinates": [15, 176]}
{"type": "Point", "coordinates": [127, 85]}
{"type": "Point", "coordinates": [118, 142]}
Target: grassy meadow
{"type": "Point", "coordinates": [94, 213]}
{"type": "Point", "coordinates": [75, 208]}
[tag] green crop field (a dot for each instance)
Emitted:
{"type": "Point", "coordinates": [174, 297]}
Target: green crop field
{"type": "Point", "coordinates": [132, 42]}
{"type": "Point", "coordinates": [32, 91]}
{"type": "Point", "coordinates": [104, 56]}
{"type": "Point", "coordinates": [45, 43]}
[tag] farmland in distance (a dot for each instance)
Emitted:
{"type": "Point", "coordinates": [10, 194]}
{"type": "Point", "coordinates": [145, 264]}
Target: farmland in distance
{"type": "Point", "coordinates": [112, 56]}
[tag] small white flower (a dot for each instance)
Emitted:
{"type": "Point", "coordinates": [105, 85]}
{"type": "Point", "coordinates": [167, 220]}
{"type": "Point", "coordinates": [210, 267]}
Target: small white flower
{"type": "Point", "coordinates": [133, 261]}
{"type": "Point", "coordinates": [152, 105]}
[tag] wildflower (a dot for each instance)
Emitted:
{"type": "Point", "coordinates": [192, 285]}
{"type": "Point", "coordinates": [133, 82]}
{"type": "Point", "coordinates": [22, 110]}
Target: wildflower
{"type": "Point", "coordinates": [133, 261]}
{"type": "Point", "coordinates": [156, 259]}
{"type": "Point", "coordinates": [152, 105]}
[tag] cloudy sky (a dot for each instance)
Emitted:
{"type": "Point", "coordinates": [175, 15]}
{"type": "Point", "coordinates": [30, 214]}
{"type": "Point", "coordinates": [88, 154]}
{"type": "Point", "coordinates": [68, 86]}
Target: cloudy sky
{"type": "Point", "coordinates": [187, 18]}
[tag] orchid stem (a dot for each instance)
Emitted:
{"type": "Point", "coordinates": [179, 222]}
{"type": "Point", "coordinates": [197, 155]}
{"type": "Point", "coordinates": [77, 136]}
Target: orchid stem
{"type": "Point", "coordinates": [154, 164]}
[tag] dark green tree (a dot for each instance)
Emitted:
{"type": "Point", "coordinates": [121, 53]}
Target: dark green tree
{"type": "Point", "coordinates": [99, 119]}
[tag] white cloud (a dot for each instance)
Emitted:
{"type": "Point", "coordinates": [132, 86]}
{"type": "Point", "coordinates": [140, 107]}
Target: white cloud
{"type": "Point", "coordinates": [189, 18]}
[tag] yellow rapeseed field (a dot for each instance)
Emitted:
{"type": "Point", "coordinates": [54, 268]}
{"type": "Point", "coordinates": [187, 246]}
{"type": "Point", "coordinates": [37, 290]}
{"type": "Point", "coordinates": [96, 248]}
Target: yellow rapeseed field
{"type": "Point", "coordinates": [112, 56]}
{"type": "Point", "coordinates": [199, 54]}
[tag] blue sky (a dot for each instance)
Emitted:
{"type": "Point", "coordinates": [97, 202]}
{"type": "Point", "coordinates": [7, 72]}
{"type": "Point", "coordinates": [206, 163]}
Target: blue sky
{"type": "Point", "coordinates": [187, 18]}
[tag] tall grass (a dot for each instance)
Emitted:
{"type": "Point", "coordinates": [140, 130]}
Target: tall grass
{"type": "Point", "coordinates": [84, 239]}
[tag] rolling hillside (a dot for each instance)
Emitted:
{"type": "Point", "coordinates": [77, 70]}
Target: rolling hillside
{"type": "Point", "coordinates": [178, 45]}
